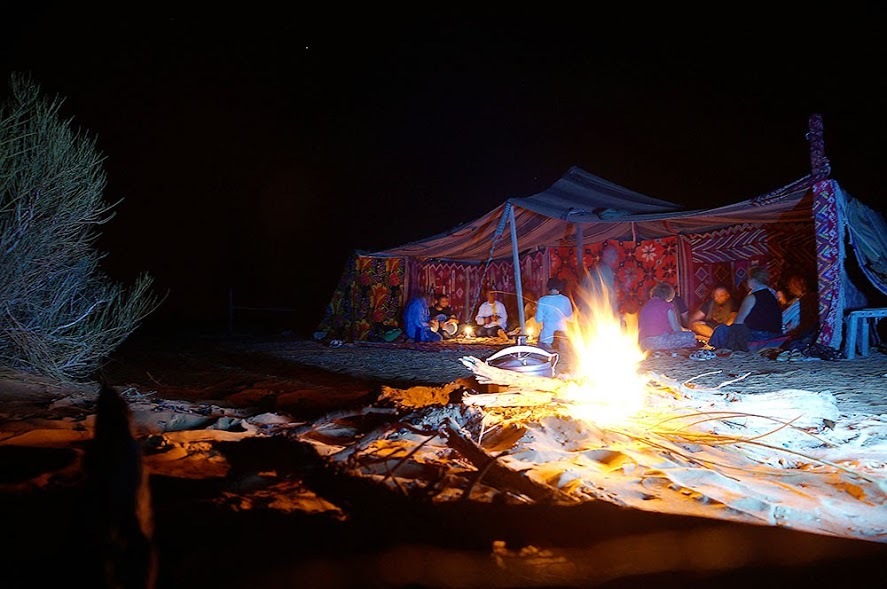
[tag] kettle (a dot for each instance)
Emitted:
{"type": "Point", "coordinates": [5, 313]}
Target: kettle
{"type": "Point", "coordinates": [526, 359]}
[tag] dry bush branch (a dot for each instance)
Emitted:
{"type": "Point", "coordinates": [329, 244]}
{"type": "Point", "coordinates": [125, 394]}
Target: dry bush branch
{"type": "Point", "coordinates": [60, 314]}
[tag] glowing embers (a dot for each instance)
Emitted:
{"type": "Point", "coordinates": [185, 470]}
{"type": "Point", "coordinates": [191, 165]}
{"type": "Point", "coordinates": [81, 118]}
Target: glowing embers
{"type": "Point", "coordinates": [605, 387]}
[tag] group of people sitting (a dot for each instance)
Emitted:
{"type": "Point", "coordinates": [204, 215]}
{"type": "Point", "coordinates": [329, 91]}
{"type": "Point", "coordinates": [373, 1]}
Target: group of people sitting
{"type": "Point", "coordinates": [764, 316]}
{"type": "Point", "coordinates": [424, 323]}
{"type": "Point", "coordinates": [664, 322]}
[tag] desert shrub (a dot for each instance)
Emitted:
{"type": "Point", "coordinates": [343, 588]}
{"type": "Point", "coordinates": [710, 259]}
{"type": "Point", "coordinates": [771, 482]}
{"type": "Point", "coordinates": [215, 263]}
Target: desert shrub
{"type": "Point", "coordinates": [60, 314]}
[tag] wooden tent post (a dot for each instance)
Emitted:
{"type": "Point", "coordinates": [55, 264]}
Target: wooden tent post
{"type": "Point", "coordinates": [468, 310]}
{"type": "Point", "coordinates": [819, 164]}
{"type": "Point", "coordinates": [580, 250]}
{"type": "Point", "coordinates": [517, 274]}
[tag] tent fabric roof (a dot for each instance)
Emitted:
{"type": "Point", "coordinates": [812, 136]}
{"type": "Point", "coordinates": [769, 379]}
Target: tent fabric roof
{"type": "Point", "coordinates": [603, 210]}
{"type": "Point", "coordinates": [580, 196]}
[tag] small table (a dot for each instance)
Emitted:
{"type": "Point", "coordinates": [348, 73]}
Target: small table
{"type": "Point", "coordinates": [858, 325]}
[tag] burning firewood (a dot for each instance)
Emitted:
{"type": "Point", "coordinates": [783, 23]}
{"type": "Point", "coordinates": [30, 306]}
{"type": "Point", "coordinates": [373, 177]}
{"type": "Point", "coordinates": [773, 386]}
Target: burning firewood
{"type": "Point", "coordinates": [517, 399]}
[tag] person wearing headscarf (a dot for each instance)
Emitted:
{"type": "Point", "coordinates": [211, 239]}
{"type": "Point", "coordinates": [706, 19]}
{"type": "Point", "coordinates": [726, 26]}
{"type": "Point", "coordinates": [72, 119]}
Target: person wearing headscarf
{"type": "Point", "coordinates": [417, 321]}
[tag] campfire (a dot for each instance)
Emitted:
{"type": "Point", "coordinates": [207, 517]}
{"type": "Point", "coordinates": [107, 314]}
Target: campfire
{"type": "Point", "coordinates": [606, 387]}
{"type": "Point", "coordinates": [604, 431]}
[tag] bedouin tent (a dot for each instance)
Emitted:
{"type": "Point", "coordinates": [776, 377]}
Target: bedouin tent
{"type": "Point", "coordinates": [801, 228]}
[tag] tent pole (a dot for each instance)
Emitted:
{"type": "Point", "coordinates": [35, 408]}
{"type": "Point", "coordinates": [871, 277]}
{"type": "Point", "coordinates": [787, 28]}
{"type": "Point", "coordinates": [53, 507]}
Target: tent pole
{"type": "Point", "coordinates": [819, 164]}
{"type": "Point", "coordinates": [468, 312]}
{"type": "Point", "coordinates": [517, 281]}
{"type": "Point", "coordinates": [580, 254]}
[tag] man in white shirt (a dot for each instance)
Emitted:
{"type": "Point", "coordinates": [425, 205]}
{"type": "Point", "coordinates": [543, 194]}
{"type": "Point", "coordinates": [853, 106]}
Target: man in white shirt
{"type": "Point", "coordinates": [553, 312]}
{"type": "Point", "coordinates": [491, 317]}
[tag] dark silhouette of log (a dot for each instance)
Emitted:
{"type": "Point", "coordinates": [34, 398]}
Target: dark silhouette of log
{"type": "Point", "coordinates": [495, 474]}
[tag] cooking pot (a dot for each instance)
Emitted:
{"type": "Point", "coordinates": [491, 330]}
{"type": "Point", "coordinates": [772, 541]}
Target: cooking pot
{"type": "Point", "coordinates": [527, 359]}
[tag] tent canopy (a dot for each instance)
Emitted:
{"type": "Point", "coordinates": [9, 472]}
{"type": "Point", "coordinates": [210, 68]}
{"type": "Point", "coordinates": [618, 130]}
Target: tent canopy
{"type": "Point", "coordinates": [583, 197]}
{"type": "Point", "coordinates": [580, 203]}
{"type": "Point", "coordinates": [802, 226]}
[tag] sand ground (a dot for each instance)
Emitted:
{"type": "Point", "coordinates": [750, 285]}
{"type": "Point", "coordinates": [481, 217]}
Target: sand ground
{"type": "Point", "coordinates": [208, 540]}
{"type": "Point", "coordinates": [249, 369]}
{"type": "Point", "coordinates": [222, 367]}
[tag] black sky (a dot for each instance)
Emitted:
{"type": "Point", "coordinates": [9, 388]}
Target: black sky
{"type": "Point", "coordinates": [258, 152]}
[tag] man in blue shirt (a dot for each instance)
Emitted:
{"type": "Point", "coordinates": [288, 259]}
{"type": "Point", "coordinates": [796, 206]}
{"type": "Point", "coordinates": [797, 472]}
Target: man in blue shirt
{"type": "Point", "coordinates": [417, 322]}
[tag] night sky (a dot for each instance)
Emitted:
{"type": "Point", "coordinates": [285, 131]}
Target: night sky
{"type": "Point", "coordinates": [256, 153]}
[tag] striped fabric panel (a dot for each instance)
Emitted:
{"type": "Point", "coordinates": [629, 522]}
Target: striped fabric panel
{"type": "Point", "coordinates": [829, 254]}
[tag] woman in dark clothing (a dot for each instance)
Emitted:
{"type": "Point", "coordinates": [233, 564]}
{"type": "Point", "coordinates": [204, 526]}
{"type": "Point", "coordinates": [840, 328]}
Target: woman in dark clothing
{"type": "Point", "coordinates": [759, 317]}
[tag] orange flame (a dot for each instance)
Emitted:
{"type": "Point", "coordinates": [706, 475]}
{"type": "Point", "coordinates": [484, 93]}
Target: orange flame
{"type": "Point", "coordinates": [606, 387]}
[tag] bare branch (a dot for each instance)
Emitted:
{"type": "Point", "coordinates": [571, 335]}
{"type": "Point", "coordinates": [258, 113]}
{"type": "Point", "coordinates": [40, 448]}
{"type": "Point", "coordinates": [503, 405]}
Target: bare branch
{"type": "Point", "coordinates": [62, 315]}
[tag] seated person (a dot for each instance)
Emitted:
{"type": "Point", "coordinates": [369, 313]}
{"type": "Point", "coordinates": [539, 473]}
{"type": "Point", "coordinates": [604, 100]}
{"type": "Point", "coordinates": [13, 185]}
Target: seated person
{"type": "Point", "coordinates": [718, 309]}
{"type": "Point", "coordinates": [683, 312]}
{"type": "Point", "coordinates": [491, 317]}
{"type": "Point", "coordinates": [531, 326]}
{"type": "Point", "coordinates": [552, 312]}
{"type": "Point", "coordinates": [800, 309]}
{"type": "Point", "coordinates": [448, 324]}
{"type": "Point", "coordinates": [782, 298]}
{"type": "Point", "coordinates": [659, 327]}
{"type": "Point", "coordinates": [599, 284]}
{"type": "Point", "coordinates": [759, 317]}
{"type": "Point", "coordinates": [417, 323]}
